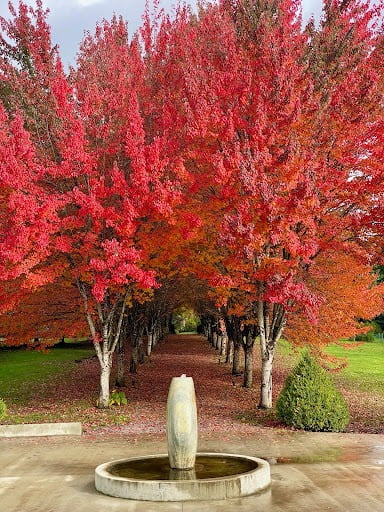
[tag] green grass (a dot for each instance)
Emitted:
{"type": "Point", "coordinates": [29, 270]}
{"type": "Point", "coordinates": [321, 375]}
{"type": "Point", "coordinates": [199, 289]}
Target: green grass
{"type": "Point", "coordinates": [285, 349]}
{"type": "Point", "coordinates": [365, 363]}
{"type": "Point", "coordinates": [365, 368]}
{"type": "Point", "coordinates": [28, 380]}
{"type": "Point", "coordinates": [22, 370]}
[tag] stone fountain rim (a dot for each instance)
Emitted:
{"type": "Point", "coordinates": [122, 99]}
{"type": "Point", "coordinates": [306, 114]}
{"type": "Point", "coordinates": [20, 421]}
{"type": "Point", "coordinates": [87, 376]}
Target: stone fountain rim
{"type": "Point", "coordinates": [102, 468]}
{"type": "Point", "coordinates": [215, 488]}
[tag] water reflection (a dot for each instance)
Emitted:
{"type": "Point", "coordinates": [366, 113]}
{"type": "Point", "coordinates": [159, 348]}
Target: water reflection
{"type": "Point", "coordinates": [157, 468]}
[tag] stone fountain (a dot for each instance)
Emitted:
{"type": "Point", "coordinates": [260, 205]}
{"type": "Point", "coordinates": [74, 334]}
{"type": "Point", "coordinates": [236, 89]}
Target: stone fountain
{"type": "Point", "coordinates": [183, 474]}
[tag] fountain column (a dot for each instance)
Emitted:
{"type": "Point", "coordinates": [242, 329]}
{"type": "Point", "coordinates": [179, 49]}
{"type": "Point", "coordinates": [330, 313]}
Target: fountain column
{"type": "Point", "coordinates": [182, 423]}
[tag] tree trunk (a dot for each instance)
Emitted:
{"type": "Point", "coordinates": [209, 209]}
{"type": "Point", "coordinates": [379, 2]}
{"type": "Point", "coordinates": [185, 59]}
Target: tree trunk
{"type": "Point", "coordinates": [210, 333]}
{"type": "Point", "coordinates": [224, 341]}
{"type": "Point", "coordinates": [134, 361]}
{"type": "Point", "coordinates": [158, 334]}
{"type": "Point", "coordinates": [166, 329]}
{"type": "Point", "coordinates": [214, 338]}
{"type": "Point", "coordinates": [266, 379]}
{"type": "Point", "coordinates": [229, 328]}
{"type": "Point", "coordinates": [248, 341]}
{"type": "Point", "coordinates": [237, 336]}
{"type": "Point", "coordinates": [120, 349]}
{"type": "Point", "coordinates": [111, 319]}
{"type": "Point", "coordinates": [150, 338]}
{"type": "Point", "coordinates": [271, 321]}
{"type": "Point", "coordinates": [155, 338]}
{"type": "Point", "coordinates": [105, 373]}
{"type": "Point", "coordinates": [248, 366]}
{"type": "Point", "coordinates": [236, 363]}
{"type": "Point", "coordinates": [229, 354]}
{"type": "Point", "coordinates": [219, 342]}
{"type": "Point", "coordinates": [141, 350]}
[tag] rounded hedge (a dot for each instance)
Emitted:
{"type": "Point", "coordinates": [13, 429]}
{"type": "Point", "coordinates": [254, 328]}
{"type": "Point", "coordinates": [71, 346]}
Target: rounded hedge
{"type": "Point", "coordinates": [310, 400]}
{"type": "Point", "coordinates": [3, 409]}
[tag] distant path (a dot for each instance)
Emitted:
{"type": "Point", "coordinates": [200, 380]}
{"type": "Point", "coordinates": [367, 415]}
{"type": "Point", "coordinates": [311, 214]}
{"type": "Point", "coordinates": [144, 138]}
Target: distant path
{"type": "Point", "coordinates": [220, 397]}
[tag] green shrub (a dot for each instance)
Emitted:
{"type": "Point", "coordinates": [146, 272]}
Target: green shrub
{"type": "Point", "coordinates": [117, 398]}
{"type": "Point", "coordinates": [375, 328]}
{"type": "Point", "coordinates": [310, 401]}
{"type": "Point", "coordinates": [3, 409]}
{"type": "Point", "coordinates": [365, 336]}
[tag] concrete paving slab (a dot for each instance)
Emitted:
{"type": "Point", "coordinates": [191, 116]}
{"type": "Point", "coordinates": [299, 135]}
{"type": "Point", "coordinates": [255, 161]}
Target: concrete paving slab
{"type": "Point", "coordinates": [315, 472]}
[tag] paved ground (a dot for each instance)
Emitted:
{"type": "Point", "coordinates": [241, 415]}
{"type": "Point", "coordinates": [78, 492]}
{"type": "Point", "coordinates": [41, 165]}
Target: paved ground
{"type": "Point", "coordinates": [315, 472]}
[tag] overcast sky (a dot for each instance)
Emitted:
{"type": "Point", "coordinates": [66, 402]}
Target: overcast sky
{"type": "Point", "coordinates": [70, 18]}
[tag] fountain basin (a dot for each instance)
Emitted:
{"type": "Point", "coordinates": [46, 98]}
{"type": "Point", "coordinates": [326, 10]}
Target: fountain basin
{"type": "Point", "coordinates": [216, 476]}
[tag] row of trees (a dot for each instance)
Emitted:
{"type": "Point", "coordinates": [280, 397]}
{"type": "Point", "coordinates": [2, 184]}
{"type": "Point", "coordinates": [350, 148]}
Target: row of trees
{"type": "Point", "coordinates": [229, 157]}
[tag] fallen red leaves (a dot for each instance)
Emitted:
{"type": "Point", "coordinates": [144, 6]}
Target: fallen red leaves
{"type": "Point", "coordinates": [223, 405]}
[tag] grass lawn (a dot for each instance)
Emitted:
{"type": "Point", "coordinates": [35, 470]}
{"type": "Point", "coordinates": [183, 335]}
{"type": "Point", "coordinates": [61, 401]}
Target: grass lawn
{"type": "Point", "coordinates": [42, 387]}
{"type": "Point", "coordinates": [365, 363]}
{"type": "Point", "coordinates": [365, 368]}
{"type": "Point", "coordinates": [22, 370]}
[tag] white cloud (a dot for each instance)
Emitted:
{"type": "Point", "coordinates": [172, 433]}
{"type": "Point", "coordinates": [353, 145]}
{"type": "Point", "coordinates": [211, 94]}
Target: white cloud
{"type": "Point", "coordinates": [312, 7]}
{"type": "Point", "coordinates": [87, 3]}
{"type": "Point", "coordinates": [60, 6]}
{"type": "Point", "coordinates": [57, 6]}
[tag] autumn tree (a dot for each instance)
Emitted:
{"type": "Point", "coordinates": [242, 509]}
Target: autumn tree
{"type": "Point", "coordinates": [291, 161]}
{"type": "Point", "coordinates": [93, 192]}
{"type": "Point", "coordinates": [44, 316]}
{"type": "Point", "coordinates": [348, 295]}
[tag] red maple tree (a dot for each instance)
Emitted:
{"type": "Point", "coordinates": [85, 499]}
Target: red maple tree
{"type": "Point", "coordinates": [91, 194]}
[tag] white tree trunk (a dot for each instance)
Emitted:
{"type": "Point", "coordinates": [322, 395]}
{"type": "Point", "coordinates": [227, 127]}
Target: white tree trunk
{"type": "Point", "coordinates": [223, 349]}
{"type": "Point", "coordinates": [271, 321]}
{"type": "Point", "coordinates": [266, 380]}
{"type": "Point", "coordinates": [219, 342]}
{"type": "Point", "coordinates": [104, 385]}
{"type": "Point", "coordinates": [149, 343]}
{"type": "Point", "coordinates": [108, 318]}
{"type": "Point", "coordinates": [229, 351]}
